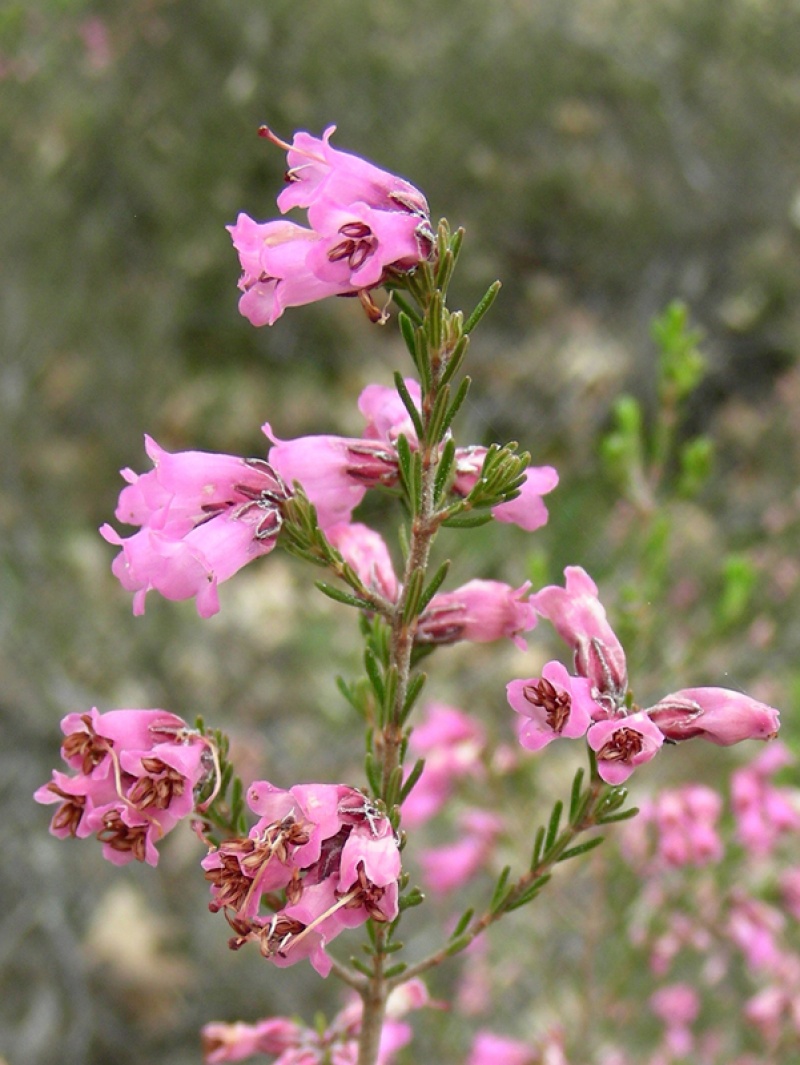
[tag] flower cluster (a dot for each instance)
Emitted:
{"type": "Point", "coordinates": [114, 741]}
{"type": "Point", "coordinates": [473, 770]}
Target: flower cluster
{"type": "Point", "coordinates": [732, 918]}
{"type": "Point", "coordinates": [136, 776]}
{"type": "Point", "coordinates": [321, 857]}
{"type": "Point", "coordinates": [596, 703]}
{"type": "Point", "coordinates": [203, 516]}
{"type": "Point", "coordinates": [365, 225]}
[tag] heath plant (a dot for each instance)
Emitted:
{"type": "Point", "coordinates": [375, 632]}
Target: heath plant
{"type": "Point", "coordinates": [300, 872]}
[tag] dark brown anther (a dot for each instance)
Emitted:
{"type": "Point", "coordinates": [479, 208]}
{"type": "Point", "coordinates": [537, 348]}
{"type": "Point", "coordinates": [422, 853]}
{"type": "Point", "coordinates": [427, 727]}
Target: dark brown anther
{"type": "Point", "coordinates": [624, 745]}
{"type": "Point", "coordinates": [365, 894]}
{"type": "Point", "coordinates": [294, 889]}
{"type": "Point", "coordinates": [159, 787]}
{"type": "Point", "coordinates": [356, 230]}
{"type": "Point", "coordinates": [359, 254]}
{"type": "Point", "coordinates": [122, 837]}
{"type": "Point", "coordinates": [341, 251]}
{"type": "Point", "coordinates": [87, 746]}
{"type": "Point", "coordinates": [277, 934]}
{"type": "Point", "coordinates": [375, 314]}
{"type": "Point", "coordinates": [68, 815]}
{"type": "Point", "coordinates": [556, 705]}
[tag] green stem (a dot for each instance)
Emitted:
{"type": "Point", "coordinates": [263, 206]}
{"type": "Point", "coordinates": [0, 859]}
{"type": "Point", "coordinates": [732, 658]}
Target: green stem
{"type": "Point", "coordinates": [389, 742]}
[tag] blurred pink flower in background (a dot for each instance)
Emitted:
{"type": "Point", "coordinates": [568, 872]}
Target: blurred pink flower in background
{"type": "Point", "coordinates": [452, 744]}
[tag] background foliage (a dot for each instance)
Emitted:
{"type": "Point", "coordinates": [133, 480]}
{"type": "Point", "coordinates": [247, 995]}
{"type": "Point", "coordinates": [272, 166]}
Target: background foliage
{"type": "Point", "coordinates": [604, 157]}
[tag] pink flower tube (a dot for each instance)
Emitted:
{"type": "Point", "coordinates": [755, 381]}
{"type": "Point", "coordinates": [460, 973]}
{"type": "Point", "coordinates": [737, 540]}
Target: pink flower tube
{"type": "Point", "coordinates": [580, 620]}
{"type": "Point", "coordinates": [331, 853]}
{"type": "Point", "coordinates": [623, 743]}
{"type": "Point", "coordinates": [315, 169]}
{"type": "Point", "coordinates": [718, 715]}
{"type": "Point", "coordinates": [333, 471]}
{"type": "Point", "coordinates": [480, 611]}
{"type": "Point", "coordinates": [554, 705]}
{"type": "Point", "coordinates": [276, 274]}
{"type": "Point", "coordinates": [527, 510]}
{"type": "Point", "coordinates": [202, 515]}
{"type": "Point", "coordinates": [364, 224]}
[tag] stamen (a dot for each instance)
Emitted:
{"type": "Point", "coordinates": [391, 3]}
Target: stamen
{"type": "Point", "coordinates": [556, 705]}
{"type": "Point", "coordinates": [623, 746]}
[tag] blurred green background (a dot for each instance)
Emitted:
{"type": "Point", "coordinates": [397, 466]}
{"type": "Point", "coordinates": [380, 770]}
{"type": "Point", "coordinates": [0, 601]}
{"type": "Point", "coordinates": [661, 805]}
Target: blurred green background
{"type": "Point", "coordinates": [604, 156]}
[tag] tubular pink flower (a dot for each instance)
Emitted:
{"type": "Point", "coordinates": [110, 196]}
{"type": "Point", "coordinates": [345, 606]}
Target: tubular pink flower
{"type": "Point", "coordinates": [358, 244]}
{"type": "Point", "coordinates": [334, 471]}
{"type": "Point", "coordinates": [718, 715]}
{"type": "Point", "coordinates": [578, 617]}
{"type": "Point", "coordinates": [452, 745]}
{"type": "Point", "coordinates": [555, 704]}
{"type": "Point", "coordinates": [451, 866]}
{"type": "Point", "coordinates": [202, 515]}
{"type": "Point", "coordinates": [764, 813]}
{"type": "Point", "coordinates": [364, 224]}
{"type": "Point", "coordinates": [366, 551]}
{"type": "Point", "coordinates": [276, 272]}
{"type": "Point", "coordinates": [328, 848]}
{"type": "Point", "coordinates": [480, 611]}
{"type": "Point", "coordinates": [676, 1004]}
{"type": "Point", "coordinates": [623, 743]}
{"type": "Point", "coordinates": [298, 1045]}
{"type": "Point", "coordinates": [527, 510]}
{"type": "Point", "coordinates": [491, 1049]}
{"type": "Point", "coordinates": [375, 849]}
{"type": "Point", "coordinates": [315, 169]}
{"type": "Point", "coordinates": [239, 1041]}
{"type": "Point", "coordinates": [386, 415]}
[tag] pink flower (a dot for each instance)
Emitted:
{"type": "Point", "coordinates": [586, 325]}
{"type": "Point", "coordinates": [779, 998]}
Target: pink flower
{"type": "Point", "coordinates": [755, 928]}
{"type": "Point", "coordinates": [622, 744]}
{"type": "Point", "coordinates": [366, 551]}
{"type": "Point", "coordinates": [358, 244]}
{"type": "Point", "coordinates": [276, 273]}
{"type": "Point", "coordinates": [452, 745]}
{"type": "Point", "coordinates": [334, 471]}
{"type": "Point", "coordinates": [328, 849]}
{"type": "Point", "coordinates": [480, 611]}
{"type": "Point", "coordinates": [386, 415]}
{"type": "Point", "coordinates": [678, 1006]}
{"type": "Point", "coordinates": [202, 515]}
{"type": "Point", "coordinates": [315, 169]}
{"type": "Point", "coordinates": [763, 811]}
{"type": "Point", "coordinates": [686, 819]}
{"type": "Point", "coordinates": [453, 865]}
{"type": "Point", "coordinates": [298, 1045]}
{"type": "Point", "coordinates": [527, 510]}
{"type": "Point", "coordinates": [364, 224]}
{"type": "Point", "coordinates": [239, 1041]}
{"type": "Point", "coordinates": [580, 620]}
{"type": "Point", "coordinates": [718, 715]}
{"type": "Point", "coordinates": [490, 1049]}
{"type": "Point", "coordinates": [138, 771]}
{"type": "Point", "coordinates": [555, 704]}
